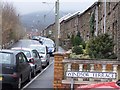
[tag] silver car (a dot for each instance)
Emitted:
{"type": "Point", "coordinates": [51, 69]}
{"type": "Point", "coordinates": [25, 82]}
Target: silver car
{"type": "Point", "coordinates": [43, 52]}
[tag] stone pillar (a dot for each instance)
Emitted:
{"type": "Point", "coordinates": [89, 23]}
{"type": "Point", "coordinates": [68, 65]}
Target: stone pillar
{"type": "Point", "coordinates": [69, 67]}
{"type": "Point", "coordinates": [91, 70]}
{"type": "Point", "coordinates": [103, 70]}
{"type": "Point", "coordinates": [58, 70]}
{"type": "Point", "coordinates": [115, 71]}
{"type": "Point", "coordinates": [118, 69]}
{"type": "Point", "coordinates": [80, 69]}
{"type": "Point", "coordinates": [103, 67]}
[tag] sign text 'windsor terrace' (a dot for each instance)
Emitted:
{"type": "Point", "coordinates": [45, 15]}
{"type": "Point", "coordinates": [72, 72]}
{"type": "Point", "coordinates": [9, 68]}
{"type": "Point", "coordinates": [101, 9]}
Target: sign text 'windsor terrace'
{"type": "Point", "coordinates": [106, 75]}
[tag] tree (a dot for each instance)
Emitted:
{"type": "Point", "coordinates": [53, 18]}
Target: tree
{"type": "Point", "coordinates": [77, 40]}
{"type": "Point", "coordinates": [102, 47]}
{"type": "Point", "coordinates": [78, 44]}
{"type": "Point", "coordinates": [92, 21]}
{"type": "Point", "coordinates": [72, 39]}
{"type": "Point", "coordinates": [10, 23]}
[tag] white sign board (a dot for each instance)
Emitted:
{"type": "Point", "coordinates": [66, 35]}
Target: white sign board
{"type": "Point", "coordinates": [106, 75]}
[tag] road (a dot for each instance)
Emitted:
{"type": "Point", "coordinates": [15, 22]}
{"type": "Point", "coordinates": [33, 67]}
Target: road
{"type": "Point", "coordinates": [43, 79]}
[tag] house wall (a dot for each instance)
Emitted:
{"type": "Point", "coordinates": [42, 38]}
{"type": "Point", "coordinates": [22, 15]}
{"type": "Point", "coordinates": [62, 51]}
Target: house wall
{"type": "Point", "coordinates": [111, 20]}
{"type": "Point", "coordinates": [81, 22]}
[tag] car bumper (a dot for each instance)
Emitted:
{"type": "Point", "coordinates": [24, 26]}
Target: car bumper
{"type": "Point", "coordinates": [44, 63]}
{"type": "Point", "coordinates": [8, 80]}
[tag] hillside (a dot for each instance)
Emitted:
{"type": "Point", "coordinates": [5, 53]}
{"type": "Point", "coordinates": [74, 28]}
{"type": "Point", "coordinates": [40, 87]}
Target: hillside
{"type": "Point", "coordinates": [39, 20]}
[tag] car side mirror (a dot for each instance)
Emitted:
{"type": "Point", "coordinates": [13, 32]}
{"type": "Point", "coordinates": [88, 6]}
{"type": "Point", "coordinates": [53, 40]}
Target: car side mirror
{"type": "Point", "coordinates": [41, 56]}
{"type": "Point", "coordinates": [31, 60]}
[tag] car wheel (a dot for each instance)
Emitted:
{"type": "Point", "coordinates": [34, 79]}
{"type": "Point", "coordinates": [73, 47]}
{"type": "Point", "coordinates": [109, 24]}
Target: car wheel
{"type": "Point", "coordinates": [19, 83]}
{"type": "Point", "coordinates": [40, 68]}
{"type": "Point", "coordinates": [48, 63]}
{"type": "Point", "coordinates": [34, 73]}
{"type": "Point", "coordinates": [29, 77]}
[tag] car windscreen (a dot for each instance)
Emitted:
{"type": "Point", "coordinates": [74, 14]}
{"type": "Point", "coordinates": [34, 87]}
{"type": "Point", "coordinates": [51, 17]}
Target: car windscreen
{"type": "Point", "coordinates": [27, 53]}
{"type": "Point", "coordinates": [40, 49]}
{"type": "Point", "coordinates": [48, 43]}
{"type": "Point", "coordinates": [6, 58]}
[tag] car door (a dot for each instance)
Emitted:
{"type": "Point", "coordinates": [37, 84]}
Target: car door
{"type": "Point", "coordinates": [22, 66]}
{"type": "Point", "coordinates": [27, 68]}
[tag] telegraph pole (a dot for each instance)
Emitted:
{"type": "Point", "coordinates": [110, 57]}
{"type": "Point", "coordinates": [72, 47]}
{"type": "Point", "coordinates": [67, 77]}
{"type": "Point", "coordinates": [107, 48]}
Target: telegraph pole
{"type": "Point", "coordinates": [57, 29]}
{"type": "Point", "coordinates": [0, 25]}
{"type": "Point", "coordinates": [105, 16]}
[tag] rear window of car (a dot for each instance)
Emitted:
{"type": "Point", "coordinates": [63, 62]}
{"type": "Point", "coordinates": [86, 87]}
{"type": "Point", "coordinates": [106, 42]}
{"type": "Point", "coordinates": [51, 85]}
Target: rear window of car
{"type": "Point", "coordinates": [6, 58]}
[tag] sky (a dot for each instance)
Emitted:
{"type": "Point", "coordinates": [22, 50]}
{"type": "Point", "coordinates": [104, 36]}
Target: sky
{"type": "Point", "coordinates": [30, 6]}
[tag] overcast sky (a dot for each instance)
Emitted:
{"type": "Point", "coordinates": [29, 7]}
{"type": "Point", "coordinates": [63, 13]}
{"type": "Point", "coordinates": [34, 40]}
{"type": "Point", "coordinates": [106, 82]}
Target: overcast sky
{"type": "Point", "coordinates": [29, 6]}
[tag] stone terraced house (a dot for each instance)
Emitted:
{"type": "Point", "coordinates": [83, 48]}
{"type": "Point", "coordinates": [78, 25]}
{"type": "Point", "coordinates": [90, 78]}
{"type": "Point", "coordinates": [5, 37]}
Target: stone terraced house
{"type": "Point", "coordinates": [81, 21]}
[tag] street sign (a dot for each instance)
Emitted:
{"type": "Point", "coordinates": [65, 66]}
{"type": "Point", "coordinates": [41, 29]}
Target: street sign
{"type": "Point", "coordinates": [101, 75]}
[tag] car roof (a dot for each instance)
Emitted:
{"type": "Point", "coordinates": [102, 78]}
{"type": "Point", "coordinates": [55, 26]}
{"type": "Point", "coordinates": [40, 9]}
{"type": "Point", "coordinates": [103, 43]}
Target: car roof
{"type": "Point", "coordinates": [10, 51]}
{"type": "Point", "coordinates": [22, 48]}
{"type": "Point", "coordinates": [37, 45]}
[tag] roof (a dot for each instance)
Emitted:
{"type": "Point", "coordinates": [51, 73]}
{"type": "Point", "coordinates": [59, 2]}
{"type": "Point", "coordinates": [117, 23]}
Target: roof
{"type": "Point", "coordinates": [9, 51]}
{"type": "Point", "coordinates": [37, 45]}
{"type": "Point", "coordinates": [100, 85]}
{"type": "Point", "coordinates": [64, 17]}
{"type": "Point", "coordinates": [89, 8]}
{"type": "Point", "coordinates": [72, 16]}
{"type": "Point", "coordinates": [21, 48]}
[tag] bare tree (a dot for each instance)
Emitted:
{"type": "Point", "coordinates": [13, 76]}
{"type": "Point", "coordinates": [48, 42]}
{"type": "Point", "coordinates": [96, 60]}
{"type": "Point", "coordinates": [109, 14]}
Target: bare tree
{"type": "Point", "coordinates": [10, 23]}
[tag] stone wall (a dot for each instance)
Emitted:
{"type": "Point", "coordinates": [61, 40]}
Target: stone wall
{"type": "Point", "coordinates": [118, 34]}
{"type": "Point", "coordinates": [61, 62]}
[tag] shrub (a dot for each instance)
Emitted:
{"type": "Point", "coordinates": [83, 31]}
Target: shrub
{"type": "Point", "coordinates": [101, 47]}
{"type": "Point", "coordinates": [77, 50]}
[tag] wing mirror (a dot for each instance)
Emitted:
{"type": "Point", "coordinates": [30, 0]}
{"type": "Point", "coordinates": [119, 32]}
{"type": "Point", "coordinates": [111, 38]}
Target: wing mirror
{"type": "Point", "coordinates": [41, 56]}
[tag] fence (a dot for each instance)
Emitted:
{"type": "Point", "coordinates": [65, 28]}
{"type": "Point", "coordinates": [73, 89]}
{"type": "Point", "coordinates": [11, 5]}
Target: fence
{"type": "Point", "coordinates": [83, 71]}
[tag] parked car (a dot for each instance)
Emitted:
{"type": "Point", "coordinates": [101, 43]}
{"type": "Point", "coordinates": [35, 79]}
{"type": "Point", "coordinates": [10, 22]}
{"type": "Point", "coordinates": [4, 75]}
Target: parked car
{"type": "Point", "coordinates": [43, 52]}
{"type": "Point", "coordinates": [33, 58]}
{"type": "Point", "coordinates": [15, 68]}
{"type": "Point", "coordinates": [50, 45]}
{"type": "Point", "coordinates": [101, 85]}
{"type": "Point", "coordinates": [26, 42]}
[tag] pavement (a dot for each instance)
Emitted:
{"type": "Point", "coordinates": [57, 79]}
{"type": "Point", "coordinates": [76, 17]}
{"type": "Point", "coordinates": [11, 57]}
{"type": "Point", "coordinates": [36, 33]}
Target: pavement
{"type": "Point", "coordinates": [42, 80]}
{"type": "Point", "coordinates": [45, 79]}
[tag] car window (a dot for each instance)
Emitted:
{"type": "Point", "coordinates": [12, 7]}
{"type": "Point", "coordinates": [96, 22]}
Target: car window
{"type": "Point", "coordinates": [27, 53]}
{"type": "Point", "coordinates": [21, 58]}
{"type": "Point", "coordinates": [35, 54]}
{"type": "Point", "coordinates": [24, 58]}
{"type": "Point", "coordinates": [6, 58]}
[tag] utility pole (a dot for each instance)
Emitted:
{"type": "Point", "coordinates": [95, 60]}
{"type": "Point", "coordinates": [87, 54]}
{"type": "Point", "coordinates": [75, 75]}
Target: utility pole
{"type": "Point", "coordinates": [0, 25]}
{"type": "Point", "coordinates": [57, 29]}
{"type": "Point", "coordinates": [105, 16]}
